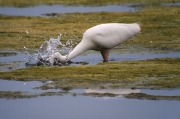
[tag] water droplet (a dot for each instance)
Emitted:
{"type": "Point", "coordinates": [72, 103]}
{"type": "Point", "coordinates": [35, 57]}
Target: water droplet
{"type": "Point", "coordinates": [25, 48]}
{"type": "Point", "coordinates": [27, 32]}
{"type": "Point", "coordinates": [48, 48]}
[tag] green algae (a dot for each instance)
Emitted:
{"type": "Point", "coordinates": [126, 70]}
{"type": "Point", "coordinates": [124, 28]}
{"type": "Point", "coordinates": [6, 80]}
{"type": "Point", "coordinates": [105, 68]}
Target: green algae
{"type": "Point", "coordinates": [140, 96]}
{"type": "Point", "coordinates": [14, 95]}
{"type": "Point", "coordinates": [51, 94]}
{"type": "Point", "coordinates": [5, 54]}
{"type": "Point", "coordinates": [21, 95]}
{"type": "Point", "coordinates": [143, 96]}
{"type": "Point", "coordinates": [100, 94]}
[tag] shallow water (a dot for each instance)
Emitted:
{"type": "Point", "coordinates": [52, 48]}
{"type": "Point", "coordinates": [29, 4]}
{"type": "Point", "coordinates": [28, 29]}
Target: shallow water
{"type": "Point", "coordinates": [95, 58]}
{"type": "Point", "coordinates": [85, 107]}
{"type": "Point", "coordinates": [30, 87]}
{"type": "Point", "coordinates": [91, 57]}
{"type": "Point", "coordinates": [78, 106]}
{"type": "Point", "coordinates": [171, 4]}
{"type": "Point", "coordinates": [20, 58]}
{"type": "Point", "coordinates": [23, 86]}
{"type": "Point", "coordinates": [45, 9]}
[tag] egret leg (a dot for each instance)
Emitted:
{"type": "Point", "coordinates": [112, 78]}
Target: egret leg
{"type": "Point", "coordinates": [105, 54]}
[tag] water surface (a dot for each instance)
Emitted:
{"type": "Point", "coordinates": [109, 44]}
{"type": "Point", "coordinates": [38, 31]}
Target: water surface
{"type": "Point", "coordinates": [45, 9]}
{"type": "Point", "coordinates": [42, 10]}
{"type": "Point", "coordinates": [91, 58]}
{"type": "Point", "coordinates": [24, 86]}
{"type": "Point", "coordinates": [68, 106]}
{"type": "Point", "coordinates": [30, 87]}
{"type": "Point", "coordinates": [85, 107]}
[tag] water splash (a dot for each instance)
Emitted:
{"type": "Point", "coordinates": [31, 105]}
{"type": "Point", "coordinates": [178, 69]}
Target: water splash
{"type": "Point", "coordinates": [47, 49]}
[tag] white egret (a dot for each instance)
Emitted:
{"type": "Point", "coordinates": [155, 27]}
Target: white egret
{"type": "Point", "coordinates": [102, 38]}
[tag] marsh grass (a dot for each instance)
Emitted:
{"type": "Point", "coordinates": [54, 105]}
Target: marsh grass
{"type": "Point", "coordinates": [5, 54]}
{"type": "Point", "coordinates": [143, 96]}
{"type": "Point", "coordinates": [21, 95]}
{"type": "Point", "coordinates": [162, 73]}
{"type": "Point", "coordinates": [100, 94]}
{"type": "Point", "coordinates": [14, 95]}
{"type": "Point", "coordinates": [160, 28]}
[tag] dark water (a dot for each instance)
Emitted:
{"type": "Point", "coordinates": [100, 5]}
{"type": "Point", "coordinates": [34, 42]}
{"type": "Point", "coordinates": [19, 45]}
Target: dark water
{"type": "Point", "coordinates": [45, 9]}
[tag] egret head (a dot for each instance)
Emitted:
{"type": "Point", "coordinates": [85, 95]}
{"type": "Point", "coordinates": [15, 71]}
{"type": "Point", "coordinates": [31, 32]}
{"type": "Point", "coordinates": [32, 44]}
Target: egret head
{"type": "Point", "coordinates": [57, 57]}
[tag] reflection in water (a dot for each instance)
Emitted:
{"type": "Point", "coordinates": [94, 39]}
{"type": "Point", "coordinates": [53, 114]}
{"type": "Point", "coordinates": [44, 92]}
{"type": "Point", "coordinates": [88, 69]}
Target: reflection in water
{"type": "Point", "coordinates": [113, 91]}
{"type": "Point", "coordinates": [109, 93]}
